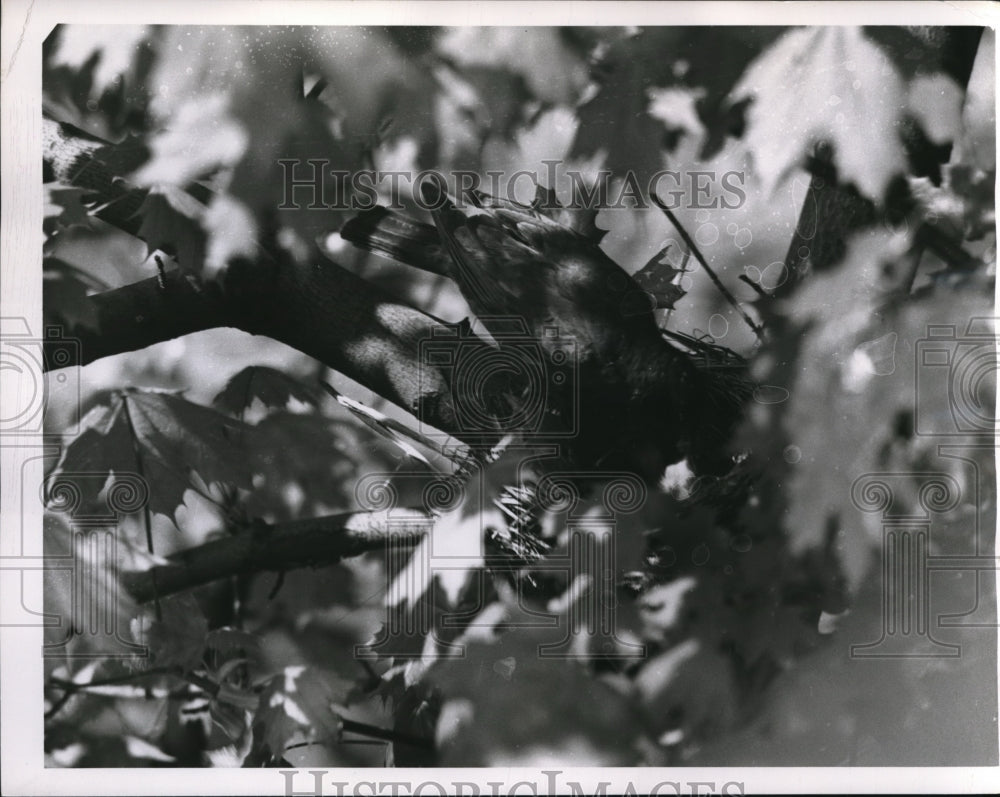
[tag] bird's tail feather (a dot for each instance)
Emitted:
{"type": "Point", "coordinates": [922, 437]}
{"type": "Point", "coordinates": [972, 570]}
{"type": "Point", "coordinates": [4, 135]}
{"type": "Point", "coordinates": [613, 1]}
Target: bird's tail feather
{"type": "Point", "coordinates": [398, 237]}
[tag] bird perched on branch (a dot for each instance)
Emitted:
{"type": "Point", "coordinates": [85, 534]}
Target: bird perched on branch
{"type": "Point", "coordinates": [617, 395]}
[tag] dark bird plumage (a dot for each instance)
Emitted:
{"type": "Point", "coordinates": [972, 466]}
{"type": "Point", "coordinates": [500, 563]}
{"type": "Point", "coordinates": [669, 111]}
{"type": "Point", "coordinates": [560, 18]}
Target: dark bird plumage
{"type": "Point", "coordinates": [635, 402]}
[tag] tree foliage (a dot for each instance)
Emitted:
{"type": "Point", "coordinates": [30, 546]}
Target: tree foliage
{"type": "Point", "coordinates": [263, 584]}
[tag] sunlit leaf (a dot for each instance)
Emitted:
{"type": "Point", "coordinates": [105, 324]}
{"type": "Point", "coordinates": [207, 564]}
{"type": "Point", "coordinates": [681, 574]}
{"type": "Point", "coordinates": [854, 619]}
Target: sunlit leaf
{"type": "Point", "coordinates": [552, 70]}
{"type": "Point", "coordinates": [824, 84]}
{"type": "Point", "coordinates": [115, 47]}
{"type": "Point", "coordinates": [202, 137]}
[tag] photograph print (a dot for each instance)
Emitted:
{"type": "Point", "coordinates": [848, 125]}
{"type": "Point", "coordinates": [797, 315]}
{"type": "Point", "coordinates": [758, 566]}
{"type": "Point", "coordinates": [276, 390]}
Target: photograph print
{"type": "Point", "coordinates": [545, 397]}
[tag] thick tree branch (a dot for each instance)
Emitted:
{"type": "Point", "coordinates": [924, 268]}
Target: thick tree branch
{"type": "Point", "coordinates": [320, 309]}
{"type": "Point", "coordinates": [146, 312]}
{"type": "Point", "coordinates": [314, 542]}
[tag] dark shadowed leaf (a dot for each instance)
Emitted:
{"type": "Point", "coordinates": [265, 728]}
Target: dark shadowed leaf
{"type": "Point", "coordinates": [306, 462]}
{"type": "Point", "coordinates": [273, 388]}
{"type": "Point", "coordinates": [174, 634]}
{"type": "Point", "coordinates": [504, 705]}
{"type": "Point", "coordinates": [65, 208]}
{"type": "Point", "coordinates": [165, 439]}
{"type": "Point", "coordinates": [64, 294]}
{"type": "Point", "coordinates": [171, 220]}
{"type": "Point", "coordinates": [702, 63]}
{"type": "Point", "coordinates": [657, 278]}
{"type": "Point", "coordinates": [299, 705]}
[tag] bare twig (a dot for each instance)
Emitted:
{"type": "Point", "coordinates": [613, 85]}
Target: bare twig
{"type": "Point", "coordinates": [390, 427]}
{"type": "Point", "coordinates": [313, 542]}
{"type": "Point", "coordinates": [755, 285]}
{"type": "Point", "coordinates": [693, 248]}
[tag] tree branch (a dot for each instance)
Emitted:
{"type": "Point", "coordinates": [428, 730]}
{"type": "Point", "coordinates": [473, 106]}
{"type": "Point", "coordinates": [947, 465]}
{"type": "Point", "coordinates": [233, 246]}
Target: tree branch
{"type": "Point", "coordinates": [320, 309]}
{"type": "Point", "coordinates": [314, 542]}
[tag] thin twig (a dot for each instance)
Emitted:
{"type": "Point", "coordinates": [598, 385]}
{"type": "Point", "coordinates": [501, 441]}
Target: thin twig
{"type": "Point", "coordinates": [693, 247]}
{"type": "Point", "coordinates": [383, 423]}
{"type": "Point", "coordinates": [755, 285]}
{"type": "Point", "coordinates": [911, 261]}
{"type": "Point", "coordinates": [383, 735]}
{"type": "Point", "coordinates": [146, 514]}
{"type": "Point", "coordinates": [71, 688]}
{"type": "Point", "coordinates": [397, 737]}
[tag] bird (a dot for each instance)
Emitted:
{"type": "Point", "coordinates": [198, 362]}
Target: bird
{"type": "Point", "coordinates": [630, 401]}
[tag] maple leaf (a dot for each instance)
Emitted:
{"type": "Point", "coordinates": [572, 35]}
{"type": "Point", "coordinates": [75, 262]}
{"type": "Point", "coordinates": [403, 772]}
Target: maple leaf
{"type": "Point", "coordinates": [614, 120]}
{"type": "Point", "coordinates": [507, 706]}
{"type": "Point", "coordinates": [305, 461]}
{"type": "Point", "coordinates": [552, 70]}
{"type": "Point", "coordinates": [232, 234]}
{"type": "Point", "coordinates": [657, 279]}
{"type": "Point", "coordinates": [699, 63]}
{"type": "Point", "coordinates": [676, 108]}
{"type": "Point", "coordinates": [854, 357]}
{"type": "Point", "coordinates": [65, 208]}
{"type": "Point", "coordinates": [273, 388]}
{"type": "Point", "coordinates": [240, 94]}
{"type": "Point", "coordinates": [691, 681]}
{"type": "Point", "coordinates": [824, 84]}
{"type": "Point", "coordinates": [165, 439]}
{"type": "Point", "coordinates": [202, 136]}
{"type": "Point", "coordinates": [171, 222]}
{"type": "Point", "coordinates": [298, 705]}
{"type": "Point", "coordinates": [72, 635]}
{"type": "Point", "coordinates": [113, 46]}
{"type": "Point", "coordinates": [174, 632]}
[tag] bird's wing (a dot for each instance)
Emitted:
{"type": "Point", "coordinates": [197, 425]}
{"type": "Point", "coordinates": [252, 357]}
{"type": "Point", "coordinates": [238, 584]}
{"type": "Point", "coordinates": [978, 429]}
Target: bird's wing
{"type": "Point", "coordinates": [495, 265]}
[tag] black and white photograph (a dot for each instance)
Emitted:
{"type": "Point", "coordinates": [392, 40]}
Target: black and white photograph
{"type": "Point", "coordinates": [498, 398]}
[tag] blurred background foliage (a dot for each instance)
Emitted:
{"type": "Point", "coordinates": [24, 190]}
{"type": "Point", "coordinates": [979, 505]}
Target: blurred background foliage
{"type": "Point", "coordinates": [752, 614]}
